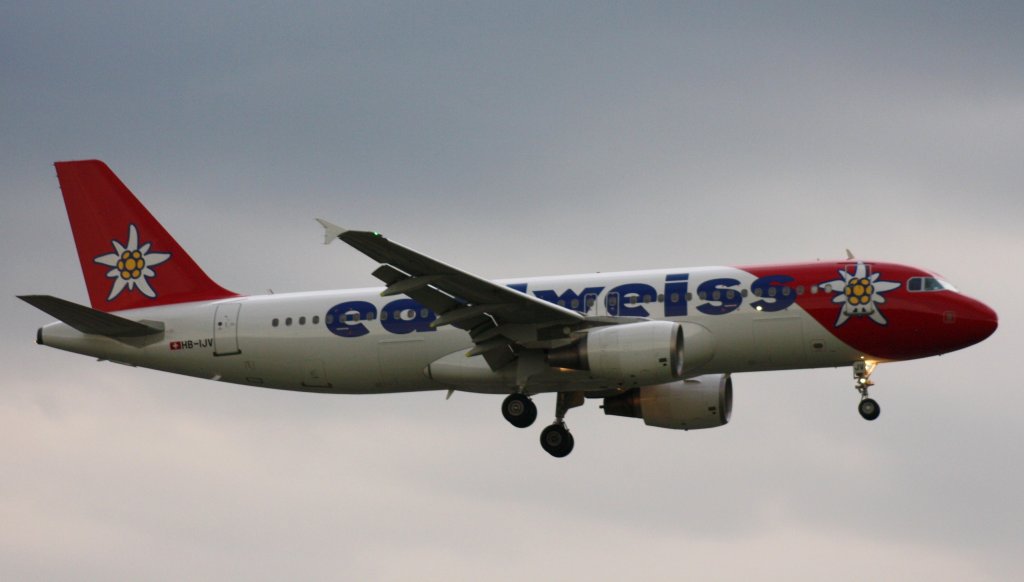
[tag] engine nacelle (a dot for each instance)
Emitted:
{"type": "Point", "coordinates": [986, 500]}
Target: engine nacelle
{"type": "Point", "coordinates": [703, 402]}
{"type": "Point", "coordinates": [634, 354]}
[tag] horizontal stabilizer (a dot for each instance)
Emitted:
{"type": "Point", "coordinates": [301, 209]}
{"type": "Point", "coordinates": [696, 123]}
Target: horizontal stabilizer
{"type": "Point", "coordinates": [88, 320]}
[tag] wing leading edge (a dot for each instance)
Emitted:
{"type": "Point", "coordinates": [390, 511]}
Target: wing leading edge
{"type": "Point", "coordinates": [501, 321]}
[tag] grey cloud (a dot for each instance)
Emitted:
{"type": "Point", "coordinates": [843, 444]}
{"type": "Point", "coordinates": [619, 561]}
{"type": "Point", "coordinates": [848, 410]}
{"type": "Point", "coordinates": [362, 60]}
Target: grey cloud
{"type": "Point", "coordinates": [514, 140]}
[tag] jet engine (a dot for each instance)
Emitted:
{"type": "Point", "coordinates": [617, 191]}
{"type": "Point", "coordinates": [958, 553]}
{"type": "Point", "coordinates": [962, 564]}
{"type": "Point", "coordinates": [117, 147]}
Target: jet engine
{"type": "Point", "coordinates": [702, 402]}
{"type": "Point", "coordinates": [634, 354]}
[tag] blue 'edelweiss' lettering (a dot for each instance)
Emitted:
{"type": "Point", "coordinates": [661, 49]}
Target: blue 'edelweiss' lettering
{"type": "Point", "coordinates": [718, 296]}
{"type": "Point", "coordinates": [576, 301]}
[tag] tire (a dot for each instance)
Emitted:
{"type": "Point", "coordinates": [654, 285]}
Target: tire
{"type": "Point", "coordinates": [519, 410]}
{"type": "Point", "coordinates": [556, 440]}
{"type": "Point", "coordinates": [869, 409]}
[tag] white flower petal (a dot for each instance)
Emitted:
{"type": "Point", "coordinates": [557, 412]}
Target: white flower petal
{"type": "Point", "coordinates": [143, 286]}
{"type": "Point", "coordinates": [862, 270]}
{"type": "Point", "coordinates": [834, 286]}
{"type": "Point", "coordinates": [109, 260]}
{"type": "Point", "coordinates": [119, 285]}
{"type": "Point", "coordinates": [156, 258]}
{"type": "Point", "coordinates": [133, 238]}
{"type": "Point", "coordinates": [884, 286]}
{"type": "Point", "coordinates": [843, 316]}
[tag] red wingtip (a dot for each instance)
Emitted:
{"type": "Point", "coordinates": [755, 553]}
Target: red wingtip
{"type": "Point", "coordinates": [128, 259]}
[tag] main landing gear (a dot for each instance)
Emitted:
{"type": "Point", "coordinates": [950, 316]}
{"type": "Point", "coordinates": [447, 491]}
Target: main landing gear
{"type": "Point", "coordinates": [556, 439]}
{"type": "Point", "coordinates": [862, 370]}
{"type": "Point", "coordinates": [519, 410]}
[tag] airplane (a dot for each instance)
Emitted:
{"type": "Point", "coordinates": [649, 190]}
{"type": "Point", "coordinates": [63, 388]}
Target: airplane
{"type": "Point", "coordinates": [660, 345]}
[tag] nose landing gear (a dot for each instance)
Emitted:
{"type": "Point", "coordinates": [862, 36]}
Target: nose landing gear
{"type": "Point", "coordinates": [868, 408]}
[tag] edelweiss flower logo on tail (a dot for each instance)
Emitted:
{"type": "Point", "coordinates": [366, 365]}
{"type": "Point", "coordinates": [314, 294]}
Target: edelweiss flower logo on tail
{"type": "Point", "coordinates": [131, 264]}
{"type": "Point", "coordinates": [859, 294]}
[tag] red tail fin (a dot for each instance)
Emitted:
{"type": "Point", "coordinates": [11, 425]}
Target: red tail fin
{"type": "Point", "coordinates": [128, 259]}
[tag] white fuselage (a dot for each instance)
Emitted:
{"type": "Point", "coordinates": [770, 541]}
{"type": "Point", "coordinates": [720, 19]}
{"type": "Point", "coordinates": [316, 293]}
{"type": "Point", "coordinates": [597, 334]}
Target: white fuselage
{"type": "Point", "coordinates": [286, 340]}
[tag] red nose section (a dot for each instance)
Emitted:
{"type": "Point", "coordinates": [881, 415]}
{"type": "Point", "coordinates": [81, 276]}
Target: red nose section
{"type": "Point", "coordinates": [977, 322]}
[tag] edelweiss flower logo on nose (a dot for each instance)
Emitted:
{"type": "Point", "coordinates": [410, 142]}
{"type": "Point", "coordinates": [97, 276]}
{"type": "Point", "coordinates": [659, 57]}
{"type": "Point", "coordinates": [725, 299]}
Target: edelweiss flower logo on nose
{"type": "Point", "coordinates": [131, 265]}
{"type": "Point", "coordinates": [860, 294]}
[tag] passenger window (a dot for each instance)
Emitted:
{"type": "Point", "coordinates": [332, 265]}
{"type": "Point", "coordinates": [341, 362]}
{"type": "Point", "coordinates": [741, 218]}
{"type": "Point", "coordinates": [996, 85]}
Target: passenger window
{"type": "Point", "coordinates": [302, 320]}
{"type": "Point", "coordinates": [329, 320]}
{"type": "Point", "coordinates": [274, 322]}
{"type": "Point", "coordinates": [288, 321]}
{"type": "Point", "coordinates": [674, 297]}
{"type": "Point", "coordinates": [316, 319]}
{"type": "Point", "coordinates": [647, 298]}
{"type": "Point", "coordinates": [574, 304]}
{"type": "Point", "coordinates": [424, 313]}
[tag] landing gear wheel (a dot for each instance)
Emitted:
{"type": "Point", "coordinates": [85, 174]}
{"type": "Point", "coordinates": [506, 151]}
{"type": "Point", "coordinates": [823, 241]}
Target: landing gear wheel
{"type": "Point", "coordinates": [869, 409]}
{"type": "Point", "coordinates": [556, 440]}
{"type": "Point", "coordinates": [519, 410]}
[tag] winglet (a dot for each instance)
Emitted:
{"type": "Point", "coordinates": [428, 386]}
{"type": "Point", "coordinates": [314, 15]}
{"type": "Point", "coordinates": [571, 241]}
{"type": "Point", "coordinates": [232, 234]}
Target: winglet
{"type": "Point", "coordinates": [331, 231]}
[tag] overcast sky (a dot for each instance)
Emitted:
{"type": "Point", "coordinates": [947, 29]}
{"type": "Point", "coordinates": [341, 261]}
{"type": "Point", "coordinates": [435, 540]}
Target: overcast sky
{"type": "Point", "coordinates": [510, 139]}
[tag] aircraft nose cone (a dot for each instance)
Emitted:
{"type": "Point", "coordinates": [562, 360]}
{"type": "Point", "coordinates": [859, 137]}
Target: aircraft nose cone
{"type": "Point", "coordinates": [981, 321]}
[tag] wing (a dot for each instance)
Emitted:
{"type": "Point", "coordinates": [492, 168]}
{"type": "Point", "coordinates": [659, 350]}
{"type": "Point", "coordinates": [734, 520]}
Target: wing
{"type": "Point", "coordinates": [500, 320]}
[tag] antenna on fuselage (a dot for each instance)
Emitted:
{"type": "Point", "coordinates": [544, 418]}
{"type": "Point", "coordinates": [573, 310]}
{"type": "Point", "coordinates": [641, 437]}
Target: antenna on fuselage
{"type": "Point", "coordinates": [849, 255]}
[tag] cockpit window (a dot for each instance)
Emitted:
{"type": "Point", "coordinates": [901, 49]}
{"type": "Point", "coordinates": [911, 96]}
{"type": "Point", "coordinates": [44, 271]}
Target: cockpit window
{"type": "Point", "coordinates": [926, 284]}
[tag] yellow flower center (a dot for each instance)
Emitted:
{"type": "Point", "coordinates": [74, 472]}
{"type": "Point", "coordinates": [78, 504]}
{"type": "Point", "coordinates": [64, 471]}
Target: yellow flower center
{"type": "Point", "coordinates": [131, 265]}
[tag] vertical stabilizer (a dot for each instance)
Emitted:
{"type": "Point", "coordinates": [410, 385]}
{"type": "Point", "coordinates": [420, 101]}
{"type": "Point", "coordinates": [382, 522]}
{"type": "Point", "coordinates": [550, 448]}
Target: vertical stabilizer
{"type": "Point", "coordinates": [128, 259]}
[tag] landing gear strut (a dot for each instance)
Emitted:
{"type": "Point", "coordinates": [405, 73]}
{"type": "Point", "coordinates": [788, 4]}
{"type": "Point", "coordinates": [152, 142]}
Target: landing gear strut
{"type": "Point", "coordinates": [519, 410]}
{"type": "Point", "coordinates": [862, 370]}
{"type": "Point", "coordinates": [556, 438]}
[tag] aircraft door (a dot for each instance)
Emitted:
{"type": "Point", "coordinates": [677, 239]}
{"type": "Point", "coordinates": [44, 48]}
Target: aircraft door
{"type": "Point", "coordinates": [225, 329]}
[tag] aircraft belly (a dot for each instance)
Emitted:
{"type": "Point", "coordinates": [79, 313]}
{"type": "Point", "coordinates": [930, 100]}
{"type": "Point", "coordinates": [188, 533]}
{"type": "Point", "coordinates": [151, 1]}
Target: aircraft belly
{"type": "Point", "coordinates": [789, 339]}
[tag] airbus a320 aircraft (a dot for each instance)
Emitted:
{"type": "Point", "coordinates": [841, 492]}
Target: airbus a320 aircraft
{"type": "Point", "coordinates": [658, 345]}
